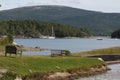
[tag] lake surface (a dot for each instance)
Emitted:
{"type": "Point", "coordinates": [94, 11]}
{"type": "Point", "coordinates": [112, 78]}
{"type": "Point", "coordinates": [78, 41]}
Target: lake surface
{"type": "Point", "coordinates": [113, 74]}
{"type": "Point", "coordinates": [74, 45]}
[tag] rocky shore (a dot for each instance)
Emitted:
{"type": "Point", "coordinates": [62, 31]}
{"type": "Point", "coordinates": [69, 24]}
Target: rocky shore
{"type": "Point", "coordinates": [66, 75]}
{"type": "Point", "coordinates": [73, 75]}
{"type": "Point", "coordinates": [70, 74]}
{"type": "Point", "coordinates": [25, 48]}
{"type": "Point", "coordinates": [84, 73]}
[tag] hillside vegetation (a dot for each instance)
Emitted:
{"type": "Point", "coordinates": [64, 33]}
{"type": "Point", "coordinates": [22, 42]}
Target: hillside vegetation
{"type": "Point", "coordinates": [36, 29]}
{"type": "Point", "coordinates": [116, 34]}
{"type": "Point", "coordinates": [99, 23]}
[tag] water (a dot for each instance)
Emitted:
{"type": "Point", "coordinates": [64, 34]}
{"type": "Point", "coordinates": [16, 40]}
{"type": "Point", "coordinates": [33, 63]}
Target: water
{"type": "Point", "coordinates": [74, 45]}
{"type": "Point", "coordinates": [113, 74]}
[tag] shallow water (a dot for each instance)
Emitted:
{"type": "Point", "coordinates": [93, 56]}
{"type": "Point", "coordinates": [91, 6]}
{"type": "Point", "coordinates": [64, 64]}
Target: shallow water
{"type": "Point", "coordinates": [113, 74]}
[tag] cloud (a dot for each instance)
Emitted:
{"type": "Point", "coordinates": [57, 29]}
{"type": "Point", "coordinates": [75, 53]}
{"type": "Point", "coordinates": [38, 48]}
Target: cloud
{"type": "Point", "coordinates": [53, 2]}
{"type": "Point", "coordinates": [101, 5]}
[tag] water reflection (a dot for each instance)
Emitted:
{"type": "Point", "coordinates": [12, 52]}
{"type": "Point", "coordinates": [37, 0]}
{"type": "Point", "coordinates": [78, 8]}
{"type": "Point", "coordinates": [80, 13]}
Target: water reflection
{"type": "Point", "coordinates": [113, 74]}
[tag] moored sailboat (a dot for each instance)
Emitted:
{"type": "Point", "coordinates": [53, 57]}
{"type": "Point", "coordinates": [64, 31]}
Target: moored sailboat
{"type": "Point", "coordinates": [53, 35]}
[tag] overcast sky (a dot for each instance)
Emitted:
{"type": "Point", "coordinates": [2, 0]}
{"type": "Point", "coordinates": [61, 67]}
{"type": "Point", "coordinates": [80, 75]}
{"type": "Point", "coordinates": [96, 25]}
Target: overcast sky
{"type": "Point", "coordinates": [96, 5]}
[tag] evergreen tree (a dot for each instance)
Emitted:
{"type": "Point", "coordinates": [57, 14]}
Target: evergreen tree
{"type": "Point", "coordinates": [33, 28]}
{"type": "Point", "coordinates": [116, 34]}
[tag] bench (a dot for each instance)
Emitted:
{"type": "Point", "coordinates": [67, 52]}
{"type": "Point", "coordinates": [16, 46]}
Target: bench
{"type": "Point", "coordinates": [12, 49]}
{"type": "Point", "coordinates": [57, 53]}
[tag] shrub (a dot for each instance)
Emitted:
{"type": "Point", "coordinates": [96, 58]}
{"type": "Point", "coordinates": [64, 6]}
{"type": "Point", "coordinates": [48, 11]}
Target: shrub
{"type": "Point", "coordinates": [6, 40]}
{"type": "Point", "coordinates": [66, 52]}
{"type": "Point", "coordinates": [9, 76]}
{"type": "Point", "coordinates": [10, 39]}
{"type": "Point", "coordinates": [35, 76]}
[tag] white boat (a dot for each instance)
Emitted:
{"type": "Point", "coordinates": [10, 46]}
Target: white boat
{"type": "Point", "coordinates": [53, 35]}
{"type": "Point", "coordinates": [99, 39]}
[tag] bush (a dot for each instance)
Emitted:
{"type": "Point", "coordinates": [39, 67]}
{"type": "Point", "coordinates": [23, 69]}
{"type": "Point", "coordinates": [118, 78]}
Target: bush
{"type": "Point", "coordinates": [9, 76]}
{"type": "Point", "coordinates": [35, 76]}
{"type": "Point", "coordinates": [6, 40]}
{"type": "Point", "coordinates": [66, 52]}
{"type": "Point", "coordinates": [10, 39]}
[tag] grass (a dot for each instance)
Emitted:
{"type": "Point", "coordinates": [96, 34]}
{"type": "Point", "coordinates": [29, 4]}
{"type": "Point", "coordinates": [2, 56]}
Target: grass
{"type": "Point", "coordinates": [106, 51]}
{"type": "Point", "coordinates": [41, 64]}
{"type": "Point", "coordinates": [44, 64]}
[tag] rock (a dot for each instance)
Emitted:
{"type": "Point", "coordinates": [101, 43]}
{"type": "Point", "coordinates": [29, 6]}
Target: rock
{"type": "Point", "coordinates": [18, 78]}
{"type": "Point", "coordinates": [2, 72]}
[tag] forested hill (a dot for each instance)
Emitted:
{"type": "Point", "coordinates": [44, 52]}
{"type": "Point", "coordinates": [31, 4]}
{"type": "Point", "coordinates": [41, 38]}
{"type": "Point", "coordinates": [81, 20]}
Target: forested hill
{"type": "Point", "coordinates": [100, 23]}
{"type": "Point", "coordinates": [37, 29]}
{"type": "Point", "coordinates": [116, 34]}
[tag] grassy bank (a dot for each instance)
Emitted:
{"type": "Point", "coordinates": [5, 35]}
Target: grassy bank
{"type": "Point", "coordinates": [105, 51]}
{"type": "Point", "coordinates": [25, 64]}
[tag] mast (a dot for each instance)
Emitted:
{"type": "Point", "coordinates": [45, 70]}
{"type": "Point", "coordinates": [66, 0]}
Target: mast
{"type": "Point", "coordinates": [53, 34]}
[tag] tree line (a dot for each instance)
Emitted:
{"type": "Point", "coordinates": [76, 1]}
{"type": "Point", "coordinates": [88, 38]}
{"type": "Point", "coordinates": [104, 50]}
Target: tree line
{"type": "Point", "coordinates": [35, 28]}
{"type": "Point", "coordinates": [116, 34]}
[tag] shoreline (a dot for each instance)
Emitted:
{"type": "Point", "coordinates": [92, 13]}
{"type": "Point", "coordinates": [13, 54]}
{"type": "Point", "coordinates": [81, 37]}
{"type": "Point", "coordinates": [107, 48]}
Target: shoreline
{"type": "Point", "coordinates": [70, 75]}
{"type": "Point", "coordinates": [112, 62]}
{"type": "Point", "coordinates": [30, 49]}
{"type": "Point", "coordinates": [52, 68]}
{"type": "Point", "coordinates": [77, 74]}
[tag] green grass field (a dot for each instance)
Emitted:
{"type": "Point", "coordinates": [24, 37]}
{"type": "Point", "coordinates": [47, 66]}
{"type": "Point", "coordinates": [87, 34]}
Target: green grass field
{"type": "Point", "coordinates": [41, 64]}
{"type": "Point", "coordinates": [44, 64]}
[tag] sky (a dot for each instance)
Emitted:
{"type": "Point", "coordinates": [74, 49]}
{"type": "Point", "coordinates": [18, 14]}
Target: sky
{"type": "Point", "coordinates": [110, 6]}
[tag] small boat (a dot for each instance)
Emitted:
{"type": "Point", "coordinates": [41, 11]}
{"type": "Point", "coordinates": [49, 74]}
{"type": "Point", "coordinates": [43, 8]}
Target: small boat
{"type": "Point", "coordinates": [51, 37]}
{"type": "Point", "coordinates": [99, 39]}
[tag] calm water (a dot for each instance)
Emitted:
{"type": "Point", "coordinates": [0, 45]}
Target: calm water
{"type": "Point", "coordinates": [113, 74]}
{"type": "Point", "coordinates": [74, 45]}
